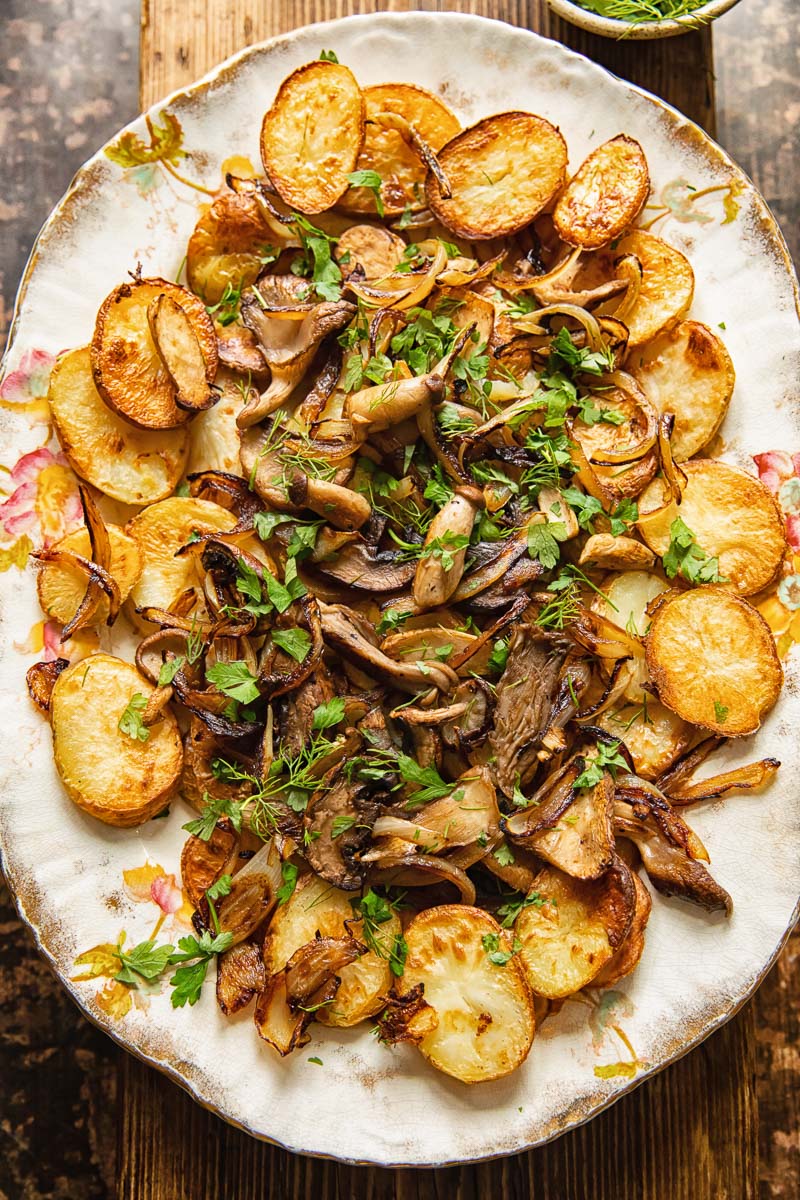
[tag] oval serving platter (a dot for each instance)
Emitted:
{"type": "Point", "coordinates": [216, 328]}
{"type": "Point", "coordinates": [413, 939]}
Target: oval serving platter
{"type": "Point", "coordinates": [79, 884]}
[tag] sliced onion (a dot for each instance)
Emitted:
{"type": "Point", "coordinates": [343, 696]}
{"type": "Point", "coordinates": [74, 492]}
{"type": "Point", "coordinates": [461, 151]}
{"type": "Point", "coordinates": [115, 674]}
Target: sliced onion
{"type": "Point", "coordinates": [401, 291]}
{"type": "Point", "coordinates": [674, 475]}
{"type": "Point", "coordinates": [99, 581]}
{"type": "Point", "coordinates": [455, 276]}
{"type": "Point", "coordinates": [753, 775]}
{"type": "Point", "coordinates": [422, 870]}
{"type": "Point", "coordinates": [613, 690]}
{"type": "Point", "coordinates": [513, 285]}
{"type": "Point", "coordinates": [601, 636]}
{"type": "Point", "coordinates": [629, 269]}
{"type": "Point", "coordinates": [530, 322]}
{"type": "Point", "coordinates": [647, 439]}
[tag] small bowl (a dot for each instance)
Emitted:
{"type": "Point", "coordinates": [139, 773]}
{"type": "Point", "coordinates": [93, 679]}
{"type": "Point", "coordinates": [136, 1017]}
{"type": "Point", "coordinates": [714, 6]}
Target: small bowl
{"type": "Point", "coordinates": [643, 30]}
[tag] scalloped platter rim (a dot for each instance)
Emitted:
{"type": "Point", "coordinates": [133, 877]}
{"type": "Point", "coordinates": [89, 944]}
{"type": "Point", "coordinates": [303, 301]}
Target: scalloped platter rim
{"type": "Point", "coordinates": [135, 201]}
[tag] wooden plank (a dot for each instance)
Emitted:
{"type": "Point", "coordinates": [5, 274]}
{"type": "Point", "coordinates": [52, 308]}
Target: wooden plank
{"type": "Point", "coordinates": [692, 1130]}
{"type": "Point", "coordinates": [182, 39]}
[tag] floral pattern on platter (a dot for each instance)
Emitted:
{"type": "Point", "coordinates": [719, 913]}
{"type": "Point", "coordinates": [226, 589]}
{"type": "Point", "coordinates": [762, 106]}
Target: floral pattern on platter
{"type": "Point", "coordinates": [148, 884]}
{"type": "Point", "coordinates": [165, 149]}
{"type": "Point", "coordinates": [780, 472]}
{"type": "Point", "coordinates": [679, 198]}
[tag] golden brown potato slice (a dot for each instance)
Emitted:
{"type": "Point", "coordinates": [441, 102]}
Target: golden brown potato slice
{"type": "Point", "coordinates": [626, 596]}
{"type": "Point", "coordinates": [666, 290]}
{"type": "Point", "coordinates": [477, 989]}
{"type": "Point", "coordinates": [312, 136]}
{"type": "Point", "coordinates": [313, 907]}
{"type": "Point", "coordinates": [179, 350]}
{"type": "Point", "coordinates": [228, 247]}
{"type": "Point", "coordinates": [604, 196]}
{"type": "Point", "coordinates": [688, 372]}
{"type": "Point", "coordinates": [127, 368]}
{"type": "Point", "coordinates": [119, 779]}
{"type": "Point", "coordinates": [135, 466]}
{"type": "Point", "coordinates": [655, 737]}
{"type": "Point", "coordinates": [575, 932]}
{"type": "Point", "coordinates": [215, 440]}
{"type": "Point", "coordinates": [627, 957]}
{"type": "Point", "coordinates": [713, 659]}
{"type": "Point", "coordinates": [733, 517]}
{"type": "Point", "coordinates": [159, 531]}
{"type": "Point", "coordinates": [62, 587]}
{"type": "Point", "coordinates": [385, 150]}
{"type": "Point", "coordinates": [371, 249]}
{"type": "Point", "coordinates": [502, 172]}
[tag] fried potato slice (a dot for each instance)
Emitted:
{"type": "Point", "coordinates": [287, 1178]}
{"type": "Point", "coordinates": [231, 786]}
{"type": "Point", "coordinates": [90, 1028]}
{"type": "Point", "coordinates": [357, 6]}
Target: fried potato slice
{"type": "Point", "coordinates": [385, 151]}
{"type": "Point", "coordinates": [116, 778]}
{"type": "Point", "coordinates": [688, 372]}
{"type": "Point", "coordinates": [713, 659]}
{"type": "Point", "coordinates": [179, 350]}
{"type": "Point", "coordinates": [666, 290]}
{"type": "Point", "coordinates": [228, 247]}
{"type": "Point", "coordinates": [314, 907]}
{"type": "Point", "coordinates": [215, 440]}
{"type": "Point", "coordinates": [655, 737]}
{"type": "Point", "coordinates": [61, 587]}
{"type": "Point", "coordinates": [159, 531]}
{"type": "Point", "coordinates": [502, 172]}
{"type": "Point", "coordinates": [485, 1022]}
{"type": "Point", "coordinates": [128, 371]}
{"type": "Point", "coordinates": [626, 959]}
{"type": "Point", "coordinates": [575, 932]}
{"type": "Point", "coordinates": [733, 517]}
{"type": "Point", "coordinates": [135, 466]}
{"type": "Point", "coordinates": [312, 135]}
{"type": "Point", "coordinates": [604, 196]}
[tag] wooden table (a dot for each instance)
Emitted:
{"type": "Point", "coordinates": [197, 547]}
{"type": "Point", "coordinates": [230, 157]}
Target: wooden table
{"type": "Point", "coordinates": [689, 1134]}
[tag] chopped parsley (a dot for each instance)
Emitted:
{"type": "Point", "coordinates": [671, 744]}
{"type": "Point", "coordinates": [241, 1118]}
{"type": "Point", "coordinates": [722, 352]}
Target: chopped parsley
{"type": "Point", "coordinates": [685, 556]}
{"type": "Point", "coordinates": [606, 759]}
{"type": "Point", "coordinates": [131, 720]}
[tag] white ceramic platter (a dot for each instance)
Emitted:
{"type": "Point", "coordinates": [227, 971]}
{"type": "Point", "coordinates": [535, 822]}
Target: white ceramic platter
{"type": "Point", "coordinates": [367, 1103]}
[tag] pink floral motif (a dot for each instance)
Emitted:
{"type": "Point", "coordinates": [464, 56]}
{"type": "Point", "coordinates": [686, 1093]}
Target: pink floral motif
{"type": "Point", "coordinates": [775, 467]}
{"type": "Point", "coordinates": [165, 892]}
{"type": "Point", "coordinates": [45, 495]}
{"type": "Point", "coordinates": [25, 389]}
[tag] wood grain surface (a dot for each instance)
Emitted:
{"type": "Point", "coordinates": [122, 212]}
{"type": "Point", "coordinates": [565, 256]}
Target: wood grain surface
{"type": "Point", "coordinates": [82, 1120]}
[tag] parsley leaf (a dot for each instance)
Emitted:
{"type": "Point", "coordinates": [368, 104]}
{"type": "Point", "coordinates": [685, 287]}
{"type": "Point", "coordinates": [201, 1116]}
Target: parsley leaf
{"type": "Point", "coordinates": [625, 514]}
{"type": "Point", "coordinates": [512, 908]}
{"type": "Point", "coordinates": [437, 488]}
{"type": "Point", "coordinates": [499, 656]}
{"type": "Point", "coordinates": [328, 714]}
{"type": "Point", "coordinates": [147, 960]}
{"type": "Point", "coordinates": [328, 56]}
{"type": "Point", "coordinates": [606, 759]}
{"type": "Point", "coordinates": [316, 259]}
{"type": "Point", "coordinates": [289, 873]}
{"type": "Point", "coordinates": [295, 642]}
{"type": "Point", "coordinates": [131, 720]}
{"type": "Point", "coordinates": [234, 679]}
{"type": "Point", "coordinates": [585, 507]}
{"type": "Point", "coordinates": [686, 556]}
{"type": "Point", "coordinates": [428, 779]}
{"type": "Point", "coordinates": [391, 619]}
{"type": "Point", "coordinates": [504, 855]}
{"type": "Point", "coordinates": [341, 824]}
{"type": "Point", "coordinates": [720, 712]}
{"type": "Point", "coordinates": [169, 670]}
{"type": "Point", "coordinates": [371, 180]}
{"type": "Point", "coordinates": [187, 981]}
{"type": "Point", "coordinates": [543, 542]}
{"type": "Point", "coordinates": [491, 944]}
{"type": "Point", "coordinates": [215, 807]}
{"type": "Point", "coordinates": [374, 911]}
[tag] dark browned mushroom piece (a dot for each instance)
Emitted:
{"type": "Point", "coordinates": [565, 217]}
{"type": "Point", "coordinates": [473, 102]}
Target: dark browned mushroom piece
{"type": "Point", "coordinates": [338, 824]}
{"type": "Point", "coordinates": [525, 697]}
{"type": "Point", "coordinates": [670, 850]}
{"type": "Point", "coordinates": [362, 566]}
{"type": "Point", "coordinates": [240, 977]}
{"type": "Point", "coordinates": [347, 632]}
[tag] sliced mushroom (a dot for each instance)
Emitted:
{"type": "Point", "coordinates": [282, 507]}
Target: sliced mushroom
{"type": "Point", "coordinates": [202, 862]}
{"type": "Point", "coordinates": [253, 895]}
{"type": "Point", "coordinates": [362, 566]}
{"type": "Point", "coordinates": [314, 965]}
{"type": "Point", "coordinates": [670, 850]}
{"type": "Point", "coordinates": [368, 251]}
{"type": "Point", "coordinates": [343, 631]}
{"type": "Point", "coordinates": [616, 553]}
{"type": "Point", "coordinates": [525, 696]}
{"type": "Point", "coordinates": [338, 505]}
{"type": "Point", "coordinates": [238, 349]}
{"type": "Point", "coordinates": [434, 583]}
{"type": "Point", "coordinates": [337, 823]}
{"type": "Point", "coordinates": [386, 404]}
{"type": "Point", "coordinates": [580, 839]}
{"type": "Point", "coordinates": [288, 346]}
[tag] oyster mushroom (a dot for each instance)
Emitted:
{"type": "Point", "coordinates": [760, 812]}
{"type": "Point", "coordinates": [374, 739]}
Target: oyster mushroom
{"type": "Point", "coordinates": [362, 566]}
{"type": "Point", "coordinates": [337, 825]}
{"type": "Point", "coordinates": [344, 631]}
{"type": "Point", "coordinates": [288, 343]}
